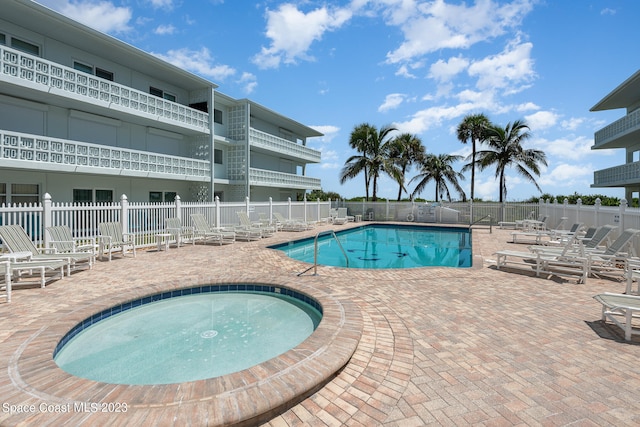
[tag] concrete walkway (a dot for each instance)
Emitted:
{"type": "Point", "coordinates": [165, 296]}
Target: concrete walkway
{"type": "Point", "coordinates": [437, 347]}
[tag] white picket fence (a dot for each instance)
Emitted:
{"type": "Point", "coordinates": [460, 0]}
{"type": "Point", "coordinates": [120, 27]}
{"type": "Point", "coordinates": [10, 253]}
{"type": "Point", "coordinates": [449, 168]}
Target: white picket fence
{"type": "Point", "coordinates": [145, 220]}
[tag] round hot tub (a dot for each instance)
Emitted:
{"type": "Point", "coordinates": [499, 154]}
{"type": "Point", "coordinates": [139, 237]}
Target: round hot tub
{"type": "Point", "coordinates": [188, 334]}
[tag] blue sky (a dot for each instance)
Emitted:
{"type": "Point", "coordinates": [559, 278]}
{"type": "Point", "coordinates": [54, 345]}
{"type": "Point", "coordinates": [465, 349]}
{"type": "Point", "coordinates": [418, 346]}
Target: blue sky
{"type": "Point", "coordinates": [418, 65]}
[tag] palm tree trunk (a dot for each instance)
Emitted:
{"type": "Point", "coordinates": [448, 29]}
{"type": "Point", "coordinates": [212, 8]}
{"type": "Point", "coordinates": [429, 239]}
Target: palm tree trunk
{"type": "Point", "coordinates": [473, 165]}
{"type": "Point", "coordinates": [404, 169]}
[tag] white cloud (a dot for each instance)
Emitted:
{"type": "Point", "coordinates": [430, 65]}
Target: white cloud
{"type": "Point", "coordinates": [292, 32]}
{"type": "Point", "coordinates": [391, 101]}
{"type": "Point", "coordinates": [102, 15]}
{"type": "Point", "coordinates": [541, 120]}
{"type": "Point", "coordinates": [573, 123]}
{"type": "Point", "coordinates": [445, 70]}
{"type": "Point", "coordinates": [436, 25]}
{"type": "Point", "coordinates": [165, 29]}
{"type": "Point", "coordinates": [197, 61]}
{"type": "Point", "coordinates": [568, 148]}
{"type": "Point", "coordinates": [329, 132]}
{"type": "Point", "coordinates": [567, 175]}
{"type": "Point", "coordinates": [511, 70]}
{"type": "Point", "coordinates": [426, 119]}
{"type": "Point", "coordinates": [248, 81]}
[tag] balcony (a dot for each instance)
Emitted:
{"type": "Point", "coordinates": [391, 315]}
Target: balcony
{"type": "Point", "coordinates": [617, 176]}
{"type": "Point", "coordinates": [282, 147]}
{"type": "Point", "coordinates": [619, 134]}
{"type": "Point", "coordinates": [267, 178]}
{"type": "Point", "coordinates": [35, 152]}
{"type": "Point", "coordinates": [48, 77]}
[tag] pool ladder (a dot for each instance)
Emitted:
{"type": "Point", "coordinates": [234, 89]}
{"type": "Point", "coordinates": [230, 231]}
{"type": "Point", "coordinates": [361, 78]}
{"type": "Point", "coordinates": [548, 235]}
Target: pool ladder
{"type": "Point", "coordinates": [315, 252]}
{"type": "Point", "coordinates": [484, 217]}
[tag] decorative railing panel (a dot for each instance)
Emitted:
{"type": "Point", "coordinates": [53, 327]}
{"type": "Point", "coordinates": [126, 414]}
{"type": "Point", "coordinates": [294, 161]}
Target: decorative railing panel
{"type": "Point", "coordinates": [270, 178]}
{"type": "Point", "coordinates": [282, 146]}
{"type": "Point", "coordinates": [628, 123]}
{"type": "Point", "coordinates": [43, 153]}
{"type": "Point", "coordinates": [52, 77]}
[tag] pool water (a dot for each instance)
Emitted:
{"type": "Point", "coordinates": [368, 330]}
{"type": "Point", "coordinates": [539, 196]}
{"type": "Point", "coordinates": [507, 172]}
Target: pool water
{"type": "Point", "coordinates": [188, 338]}
{"type": "Point", "coordinates": [382, 246]}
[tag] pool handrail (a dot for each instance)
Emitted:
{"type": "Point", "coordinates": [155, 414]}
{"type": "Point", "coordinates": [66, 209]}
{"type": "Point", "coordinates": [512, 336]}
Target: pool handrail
{"type": "Point", "coordinates": [315, 251]}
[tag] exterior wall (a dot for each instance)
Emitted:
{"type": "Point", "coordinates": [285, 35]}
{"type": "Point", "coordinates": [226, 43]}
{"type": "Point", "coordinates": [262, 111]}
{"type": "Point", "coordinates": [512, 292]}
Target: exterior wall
{"type": "Point", "coordinates": [29, 109]}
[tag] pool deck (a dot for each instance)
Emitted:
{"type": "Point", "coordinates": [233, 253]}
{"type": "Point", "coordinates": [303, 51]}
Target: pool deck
{"type": "Point", "coordinates": [434, 346]}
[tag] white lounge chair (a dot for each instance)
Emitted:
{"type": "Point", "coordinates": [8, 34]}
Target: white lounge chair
{"type": "Point", "coordinates": [63, 242]}
{"type": "Point", "coordinates": [342, 217]}
{"type": "Point", "coordinates": [617, 306]}
{"type": "Point", "coordinates": [246, 224]}
{"type": "Point", "coordinates": [178, 232]}
{"type": "Point", "coordinates": [16, 240]}
{"type": "Point", "coordinates": [112, 239]}
{"type": "Point", "coordinates": [289, 224]}
{"type": "Point", "coordinates": [203, 231]}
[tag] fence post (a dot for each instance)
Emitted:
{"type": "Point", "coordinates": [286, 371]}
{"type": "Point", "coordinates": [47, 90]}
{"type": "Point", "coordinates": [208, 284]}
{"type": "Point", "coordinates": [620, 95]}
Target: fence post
{"type": "Point", "coordinates": [216, 202]}
{"type": "Point", "coordinates": [270, 209]}
{"type": "Point", "coordinates": [289, 207]}
{"type": "Point", "coordinates": [386, 214]}
{"type": "Point", "coordinates": [318, 209]}
{"type": "Point", "coordinates": [178, 203]}
{"type": "Point", "coordinates": [578, 209]}
{"type": "Point", "coordinates": [623, 207]}
{"type": "Point", "coordinates": [124, 213]}
{"type": "Point", "coordinates": [247, 204]}
{"type": "Point", "coordinates": [47, 218]}
{"type": "Point", "coordinates": [304, 202]}
{"type": "Point", "coordinates": [596, 214]}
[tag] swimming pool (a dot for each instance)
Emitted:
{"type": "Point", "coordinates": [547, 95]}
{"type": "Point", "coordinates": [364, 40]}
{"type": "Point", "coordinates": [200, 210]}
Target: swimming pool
{"type": "Point", "coordinates": [381, 246]}
{"type": "Point", "coordinates": [188, 335]}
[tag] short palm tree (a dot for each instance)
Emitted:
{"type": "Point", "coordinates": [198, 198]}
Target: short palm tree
{"type": "Point", "coordinates": [407, 149]}
{"type": "Point", "coordinates": [472, 128]}
{"type": "Point", "coordinates": [439, 168]}
{"type": "Point", "coordinates": [374, 158]}
{"type": "Point", "coordinates": [505, 150]}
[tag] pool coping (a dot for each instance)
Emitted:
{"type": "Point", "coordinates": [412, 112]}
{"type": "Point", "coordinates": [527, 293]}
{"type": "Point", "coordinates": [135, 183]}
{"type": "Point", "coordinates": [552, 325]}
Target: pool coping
{"type": "Point", "coordinates": [254, 394]}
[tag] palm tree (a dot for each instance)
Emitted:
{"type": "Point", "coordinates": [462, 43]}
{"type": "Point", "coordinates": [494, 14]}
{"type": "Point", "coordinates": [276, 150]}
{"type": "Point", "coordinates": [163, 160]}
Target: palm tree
{"type": "Point", "coordinates": [375, 158]}
{"type": "Point", "coordinates": [472, 128]}
{"type": "Point", "coordinates": [438, 168]}
{"type": "Point", "coordinates": [359, 140]}
{"type": "Point", "coordinates": [407, 149]}
{"type": "Point", "coordinates": [505, 149]}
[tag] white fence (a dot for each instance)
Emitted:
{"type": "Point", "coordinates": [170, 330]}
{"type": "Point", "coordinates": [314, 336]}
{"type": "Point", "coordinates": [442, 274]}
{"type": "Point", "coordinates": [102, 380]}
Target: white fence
{"type": "Point", "coordinates": [146, 219]}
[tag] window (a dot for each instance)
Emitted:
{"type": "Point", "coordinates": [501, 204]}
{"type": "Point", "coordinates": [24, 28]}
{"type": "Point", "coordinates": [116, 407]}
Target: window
{"type": "Point", "coordinates": [25, 46]}
{"type": "Point", "coordinates": [82, 67]}
{"type": "Point", "coordinates": [200, 106]}
{"type": "Point", "coordinates": [217, 156]}
{"type": "Point", "coordinates": [81, 195]}
{"type": "Point", "coordinates": [161, 94]}
{"type": "Point", "coordinates": [217, 116]}
{"type": "Point", "coordinates": [3, 194]}
{"type": "Point", "coordinates": [3, 39]}
{"type": "Point", "coordinates": [25, 193]}
{"type": "Point", "coordinates": [104, 74]}
{"type": "Point", "coordinates": [159, 196]}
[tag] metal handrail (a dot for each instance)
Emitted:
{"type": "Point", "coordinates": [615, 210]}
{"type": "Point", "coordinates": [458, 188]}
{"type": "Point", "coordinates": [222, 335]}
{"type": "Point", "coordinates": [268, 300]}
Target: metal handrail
{"type": "Point", "coordinates": [315, 252]}
{"type": "Point", "coordinates": [478, 220]}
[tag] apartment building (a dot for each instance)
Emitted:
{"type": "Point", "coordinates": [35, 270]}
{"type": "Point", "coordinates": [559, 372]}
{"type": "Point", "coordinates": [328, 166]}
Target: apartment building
{"type": "Point", "coordinates": [624, 133]}
{"type": "Point", "coordinates": [86, 118]}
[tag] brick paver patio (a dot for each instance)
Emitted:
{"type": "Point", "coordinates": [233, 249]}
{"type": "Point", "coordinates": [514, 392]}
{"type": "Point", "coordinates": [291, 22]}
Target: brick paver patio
{"type": "Point", "coordinates": [437, 346]}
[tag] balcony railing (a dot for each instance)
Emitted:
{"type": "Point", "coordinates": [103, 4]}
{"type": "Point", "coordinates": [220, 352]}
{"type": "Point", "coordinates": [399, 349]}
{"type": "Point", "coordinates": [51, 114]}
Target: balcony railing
{"type": "Point", "coordinates": [618, 175]}
{"type": "Point", "coordinates": [617, 129]}
{"type": "Point", "coordinates": [282, 146]}
{"type": "Point", "coordinates": [51, 77]}
{"type": "Point", "coordinates": [269, 178]}
{"type": "Point", "coordinates": [48, 154]}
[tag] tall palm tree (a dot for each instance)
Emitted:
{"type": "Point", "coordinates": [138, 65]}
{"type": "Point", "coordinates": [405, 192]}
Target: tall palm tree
{"type": "Point", "coordinates": [374, 158]}
{"type": "Point", "coordinates": [505, 149]}
{"type": "Point", "coordinates": [407, 149]}
{"type": "Point", "coordinates": [359, 140]}
{"type": "Point", "coordinates": [438, 168]}
{"type": "Point", "coordinates": [472, 128]}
